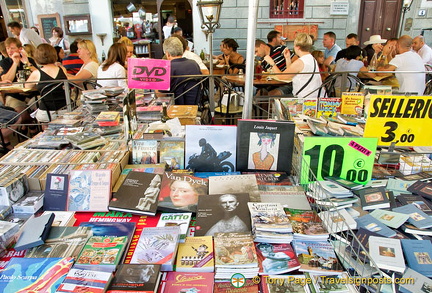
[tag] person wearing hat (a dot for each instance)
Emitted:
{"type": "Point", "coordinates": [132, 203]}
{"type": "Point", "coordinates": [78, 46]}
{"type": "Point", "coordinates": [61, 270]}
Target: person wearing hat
{"type": "Point", "coordinates": [373, 46]}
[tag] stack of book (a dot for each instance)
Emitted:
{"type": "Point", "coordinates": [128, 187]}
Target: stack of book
{"type": "Point", "coordinates": [307, 225]}
{"type": "Point", "coordinates": [95, 101]}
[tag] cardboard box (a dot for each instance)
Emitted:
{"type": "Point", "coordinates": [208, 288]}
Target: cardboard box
{"type": "Point", "coordinates": [186, 113]}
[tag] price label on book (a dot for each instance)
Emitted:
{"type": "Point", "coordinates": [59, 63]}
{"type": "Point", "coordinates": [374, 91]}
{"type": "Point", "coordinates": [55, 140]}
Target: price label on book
{"type": "Point", "coordinates": [403, 120]}
{"type": "Point", "coordinates": [351, 158]}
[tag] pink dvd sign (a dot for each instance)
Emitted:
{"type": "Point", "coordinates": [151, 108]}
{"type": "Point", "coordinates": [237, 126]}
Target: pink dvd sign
{"type": "Point", "coordinates": [152, 74]}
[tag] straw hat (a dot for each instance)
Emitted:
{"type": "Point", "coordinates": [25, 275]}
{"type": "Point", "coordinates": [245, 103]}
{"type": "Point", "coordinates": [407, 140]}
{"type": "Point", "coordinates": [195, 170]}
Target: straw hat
{"type": "Point", "coordinates": [375, 39]}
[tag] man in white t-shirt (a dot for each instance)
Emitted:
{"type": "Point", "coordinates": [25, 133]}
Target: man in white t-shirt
{"type": "Point", "coordinates": [407, 60]}
{"type": "Point", "coordinates": [422, 49]}
{"type": "Point", "coordinates": [26, 35]}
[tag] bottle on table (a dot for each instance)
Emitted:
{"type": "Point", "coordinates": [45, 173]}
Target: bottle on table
{"type": "Point", "coordinates": [373, 63]}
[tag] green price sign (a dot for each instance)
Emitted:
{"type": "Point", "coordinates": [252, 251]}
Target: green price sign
{"type": "Point", "coordinates": [351, 158]}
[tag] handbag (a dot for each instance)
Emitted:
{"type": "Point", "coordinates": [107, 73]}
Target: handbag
{"type": "Point", "coordinates": [310, 79]}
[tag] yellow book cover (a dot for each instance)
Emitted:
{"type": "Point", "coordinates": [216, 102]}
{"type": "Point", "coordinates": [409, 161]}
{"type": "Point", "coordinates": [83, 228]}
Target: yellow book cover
{"type": "Point", "coordinates": [196, 255]}
{"type": "Point", "coordinates": [352, 103]}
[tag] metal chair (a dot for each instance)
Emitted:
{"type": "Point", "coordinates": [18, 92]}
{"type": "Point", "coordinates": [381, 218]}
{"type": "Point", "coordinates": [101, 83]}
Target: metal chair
{"type": "Point", "coordinates": [330, 84]}
{"type": "Point", "coordinates": [190, 89]}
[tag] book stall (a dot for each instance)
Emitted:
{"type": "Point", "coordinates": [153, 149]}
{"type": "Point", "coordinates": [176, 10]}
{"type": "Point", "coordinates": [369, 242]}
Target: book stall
{"type": "Point", "coordinates": [129, 193]}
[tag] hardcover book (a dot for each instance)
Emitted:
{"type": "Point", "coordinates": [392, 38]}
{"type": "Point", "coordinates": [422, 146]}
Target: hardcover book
{"type": "Point", "coordinates": [269, 217]}
{"type": "Point", "coordinates": [416, 217]}
{"type": "Point", "coordinates": [139, 194]}
{"type": "Point", "coordinates": [85, 279]}
{"type": "Point", "coordinates": [34, 274]}
{"type": "Point", "coordinates": [209, 148]}
{"type": "Point", "coordinates": [172, 153]}
{"type": "Point", "coordinates": [56, 192]}
{"type": "Point", "coordinates": [135, 278]}
{"type": "Point", "coordinates": [29, 204]}
{"type": "Point", "coordinates": [148, 168]}
{"type": "Point", "coordinates": [317, 257]}
{"type": "Point", "coordinates": [235, 184]}
{"type": "Point", "coordinates": [176, 219]}
{"type": "Point", "coordinates": [157, 245]}
{"type": "Point", "coordinates": [391, 219]}
{"type": "Point", "coordinates": [418, 254]}
{"type": "Point", "coordinates": [275, 259]}
{"type": "Point", "coordinates": [265, 145]}
{"type": "Point", "coordinates": [144, 151]}
{"type": "Point", "coordinates": [234, 250]}
{"type": "Point", "coordinates": [370, 223]}
{"type": "Point", "coordinates": [180, 192]}
{"type": "Point", "coordinates": [176, 282]}
{"type": "Point", "coordinates": [196, 255]}
{"type": "Point", "coordinates": [222, 213]}
{"type": "Point", "coordinates": [387, 253]}
{"type": "Point", "coordinates": [89, 190]}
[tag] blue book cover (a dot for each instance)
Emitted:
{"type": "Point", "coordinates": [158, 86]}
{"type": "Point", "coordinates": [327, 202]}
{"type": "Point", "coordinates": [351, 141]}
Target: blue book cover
{"type": "Point", "coordinates": [34, 274]}
{"type": "Point", "coordinates": [210, 148]}
{"type": "Point", "coordinates": [417, 217]}
{"type": "Point", "coordinates": [111, 229]}
{"type": "Point", "coordinates": [418, 254]}
{"type": "Point", "coordinates": [56, 192]}
{"type": "Point", "coordinates": [370, 223]}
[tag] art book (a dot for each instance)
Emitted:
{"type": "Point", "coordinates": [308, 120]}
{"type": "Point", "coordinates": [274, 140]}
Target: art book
{"type": "Point", "coordinates": [135, 278]}
{"type": "Point", "coordinates": [269, 217]}
{"type": "Point", "coordinates": [273, 178]}
{"type": "Point", "coordinates": [387, 253]}
{"type": "Point", "coordinates": [306, 224]}
{"type": "Point", "coordinates": [265, 145]}
{"type": "Point", "coordinates": [317, 257]}
{"type": "Point", "coordinates": [180, 192]}
{"type": "Point", "coordinates": [275, 259]}
{"type": "Point", "coordinates": [56, 192]}
{"type": "Point", "coordinates": [148, 168]}
{"type": "Point", "coordinates": [172, 153]}
{"type": "Point", "coordinates": [181, 220]}
{"type": "Point", "coordinates": [157, 245]}
{"type": "Point", "coordinates": [22, 275]}
{"type": "Point", "coordinates": [235, 250]}
{"type": "Point", "coordinates": [196, 255]}
{"type": "Point", "coordinates": [176, 282]}
{"type": "Point", "coordinates": [210, 148]}
{"type": "Point", "coordinates": [418, 254]}
{"type": "Point", "coordinates": [139, 194]}
{"type": "Point", "coordinates": [235, 184]}
{"type": "Point", "coordinates": [85, 279]}
{"type": "Point", "coordinates": [144, 151]}
{"type": "Point", "coordinates": [89, 190]}
{"type": "Point", "coordinates": [105, 252]}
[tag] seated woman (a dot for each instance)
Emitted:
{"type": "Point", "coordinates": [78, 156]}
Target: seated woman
{"type": "Point", "coordinates": [87, 53]}
{"type": "Point", "coordinates": [46, 56]}
{"type": "Point", "coordinates": [352, 63]}
{"type": "Point", "coordinates": [303, 84]}
{"type": "Point", "coordinates": [319, 57]}
{"type": "Point", "coordinates": [60, 55]}
{"type": "Point", "coordinates": [229, 54]}
{"type": "Point", "coordinates": [114, 67]}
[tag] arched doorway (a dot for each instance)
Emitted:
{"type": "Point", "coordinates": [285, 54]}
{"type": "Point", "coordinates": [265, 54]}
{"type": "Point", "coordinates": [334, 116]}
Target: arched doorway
{"type": "Point", "coordinates": [181, 10]}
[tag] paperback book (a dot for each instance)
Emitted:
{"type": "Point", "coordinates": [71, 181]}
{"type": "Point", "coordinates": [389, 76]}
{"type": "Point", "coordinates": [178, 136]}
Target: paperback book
{"type": "Point", "coordinates": [196, 255]}
{"type": "Point", "coordinates": [222, 213]}
{"type": "Point", "coordinates": [416, 217]}
{"type": "Point", "coordinates": [338, 221]}
{"type": "Point", "coordinates": [269, 217]}
{"type": "Point", "coordinates": [387, 253]}
{"type": "Point", "coordinates": [420, 282]}
{"type": "Point", "coordinates": [370, 223]}
{"type": "Point", "coordinates": [265, 145]}
{"type": "Point", "coordinates": [373, 198]}
{"type": "Point", "coordinates": [418, 201]}
{"type": "Point", "coordinates": [306, 224]}
{"type": "Point", "coordinates": [286, 284]}
{"type": "Point", "coordinates": [235, 250]}
{"type": "Point", "coordinates": [391, 219]}
{"type": "Point", "coordinates": [418, 255]}
{"type": "Point", "coordinates": [273, 178]}
{"type": "Point", "coordinates": [275, 259]}
{"type": "Point", "coordinates": [176, 282]}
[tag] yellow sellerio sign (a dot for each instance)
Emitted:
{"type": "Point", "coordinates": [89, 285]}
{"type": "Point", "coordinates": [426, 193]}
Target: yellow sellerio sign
{"type": "Point", "coordinates": [405, 120]}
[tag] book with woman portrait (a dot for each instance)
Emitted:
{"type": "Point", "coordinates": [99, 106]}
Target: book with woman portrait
{"type": "Point", "coordinates": [265, 145]}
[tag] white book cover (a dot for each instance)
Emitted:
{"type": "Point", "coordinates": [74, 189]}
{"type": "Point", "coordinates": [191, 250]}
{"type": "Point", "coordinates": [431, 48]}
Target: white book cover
{"type": "Point", "coordinates": [387, 253]}
{"type": "Point", "coordinates": [338, 221]}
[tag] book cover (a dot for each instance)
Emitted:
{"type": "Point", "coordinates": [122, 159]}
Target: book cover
{"type": "Point", "coordinates": [265, 145]}
{"type": "Point", "coordinates": [418, 255]}
{"type": "Point", "coordinates": [172, 153]}
{"type": "Point", "coordinates": [135, 278]}
{"type": "Point", "coordinates": [62, 218]}
{"type": "Point", "coordinates": [180, 192]}
{"type": "Point", "coordinates": [275, 259]}
{"type": "Point", "coordinates": [333, 283]}
{"type": "Point", "coordinates": [144, 151]}
{"type": "Point", "coordinates": [306, 224]}
{"type": "Point", "coordinates": [288, 196]}
{"type": "Point", "coordinates": [269, 217]}
{"type": "Point", "coordinates": [56, 192]}
{"type": "Point", "coordinates": [157, 245]}
{"type": "Point", "coordinates": [176, 282]}
{"type": "Point", "coordinates": [373, 198]}
{"type": "Point", "coordinates": [328, 106]}
{"type": "Point", "coordinates": [363, 237]}
{"type": "Point", "coordinates": [317, 257]}
{"type": "Point", "coordinates": [139, 193]}
{"type": "Point", "coordinates": [34, 232]}
{"type": "Point", "coordinates": [234, 250]}
{"type": "Point", "coordinates": [370, 223]}
{"type": "Point", "coordinates": [11, 190]}
{"type": "Point", "coordinates": [416, 216]}
{"type": "Point", "coordinates": [30, 203]}
{"type": "Point", "coordinates": [420, 282]}
{"type": "Point", "coordinates": [196, 255]}
{"type": "Point", "coordinates": [310, 107]}
{"type": "Point", "coordinates": [89, 190]}
{"type": "Point", "coordinates": [418, 201]}
{"type": "Point", "coordinates": [104, 251]}
{"type": "Point", "coordinates": [23, 275]}
{"type": "Point", "coordinates": [85, 279]}
{"type": "Point", "coordinates": [222, 213]}
{"type": "Point", "coordinates": [286, 284]}
{"type": "Point", "coordinates": [210, 148]}
{"type": "Point", "coordinates": [181, 220]}
{"type": "Point", "coordinates": [387, 253]}
{"type": "Point", "coordinates": [226, 287]}
{"type": "Point", "coordinates": [391, 219]}
{"type": "Point", "coordinates": [62, 242]}
{"type": "Point", "coordinates": [235, 184]}
{"type": "Point", "coordinates": [352, 103]}
{"type": "Point", "coordinates": [148, 168]}
{"type": "Point", "coordinates": [421, 188]}
{"type": "Point", "coordinates": [272, 178]}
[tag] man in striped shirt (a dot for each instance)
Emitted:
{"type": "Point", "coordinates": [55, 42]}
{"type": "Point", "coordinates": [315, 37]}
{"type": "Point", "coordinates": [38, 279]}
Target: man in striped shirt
{"type": "Point", "coordinates": [274, 49]}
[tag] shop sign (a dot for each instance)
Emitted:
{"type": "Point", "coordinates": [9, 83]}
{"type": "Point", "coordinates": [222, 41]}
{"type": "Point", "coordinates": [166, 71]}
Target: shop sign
{"type": "Point", "coordinates": [403, 120]}
{"type": "Point", "coordinates": [351, 158]}
{"type": "Point", "coordinates": [154, 74]}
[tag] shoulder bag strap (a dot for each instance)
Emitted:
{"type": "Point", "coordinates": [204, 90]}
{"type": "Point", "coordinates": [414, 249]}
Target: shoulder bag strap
{"type": "Point", "coordinates": [310, 79]}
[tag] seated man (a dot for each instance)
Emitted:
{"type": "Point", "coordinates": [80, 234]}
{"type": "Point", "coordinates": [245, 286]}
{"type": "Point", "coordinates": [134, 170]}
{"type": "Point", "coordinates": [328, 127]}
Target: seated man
{"type": "Point", "coordinates": [73, 62]}
{"type": "Point", "coordinates": [17, 60]}
{"type": "Point", "coordinates": [173, 49]}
